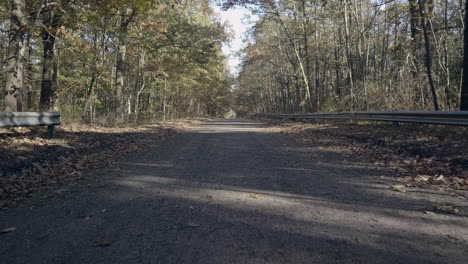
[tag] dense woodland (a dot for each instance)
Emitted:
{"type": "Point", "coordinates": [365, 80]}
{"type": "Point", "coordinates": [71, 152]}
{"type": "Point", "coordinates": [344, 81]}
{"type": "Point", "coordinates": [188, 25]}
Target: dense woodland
{"type": "Point", "coordinates": [113, 61]}
{"type": "Point", "coordinates": [342, 55]}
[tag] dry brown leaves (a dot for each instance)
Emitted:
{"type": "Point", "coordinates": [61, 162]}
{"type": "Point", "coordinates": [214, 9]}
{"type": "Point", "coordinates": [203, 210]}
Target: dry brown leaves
{"type": "Point", "coordinates": [423, 156]}
{"type": "Point", "coordinates": [255, 195]}
{"type": "Point", "coordinates": [30, 161]}
{"type": "Point", "coordinates": [398, 188]}
{"type": "Point", "coordinates": [420, 181]}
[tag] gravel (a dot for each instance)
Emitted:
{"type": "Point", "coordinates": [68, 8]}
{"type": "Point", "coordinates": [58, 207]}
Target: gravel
{"type": "Point", "coordinates": [232, 191]}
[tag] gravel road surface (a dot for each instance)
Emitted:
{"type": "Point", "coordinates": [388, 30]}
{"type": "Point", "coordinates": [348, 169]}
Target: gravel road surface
{"type": "Point", "coordinates": [231, 191]}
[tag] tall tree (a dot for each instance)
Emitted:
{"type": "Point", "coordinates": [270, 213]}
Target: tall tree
{"type": "Point", "coordinates": [369, 55]}
{"type": "Point", "coordinates": [464, 91]}
{"type": "Point", "coordinates": [127, 16]}
{"type": "Point", "coordinates": [16, 50]}
{"type": "Point", "coordinates": [52, 20]}
{"type": "Point", "coordinates": [425, 23]}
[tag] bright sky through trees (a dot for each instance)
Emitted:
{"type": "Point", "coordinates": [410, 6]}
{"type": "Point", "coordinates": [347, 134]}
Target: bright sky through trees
{"type": "Point", "coordinates": [240, 19]}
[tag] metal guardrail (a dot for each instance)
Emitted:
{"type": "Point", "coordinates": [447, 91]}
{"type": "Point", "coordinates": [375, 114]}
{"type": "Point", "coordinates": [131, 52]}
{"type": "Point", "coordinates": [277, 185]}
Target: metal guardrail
{"type": "Point", "coordinates": [27, 119]}
{"type": "Point", "coordinates": [456, 118]}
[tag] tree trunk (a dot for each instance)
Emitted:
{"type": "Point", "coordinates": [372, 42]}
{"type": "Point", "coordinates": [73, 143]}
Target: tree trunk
{"type": "Point", "coordinates": [428, 57]}
{"type": "Point", "coordinates": [52, 22]}
{"type": "Point", "coordinates": [305, 29]}
{"type": "Point", "coordinates": [464, 91]}
{"type": "Point", "coordinates": [127, 17]}
{"type": "Point", "coordinates": [89, 93]}
{"type": "Point", "coordinates": [28, 79]}
{"type": "Point", "coordinates": [16, 50]}
{"type": "Point", "coordinates": [348, 53]}
{"type": "Point", "coordinates": [338, 89]}
{"type": "Point", "coordinates": [96, 73]}
{"type": "Point", "coordinates": [307, 100]}
{"type": "Point", "coordinates": [415, 23]}
{"type": "Point", "coordinates": [446, 66]}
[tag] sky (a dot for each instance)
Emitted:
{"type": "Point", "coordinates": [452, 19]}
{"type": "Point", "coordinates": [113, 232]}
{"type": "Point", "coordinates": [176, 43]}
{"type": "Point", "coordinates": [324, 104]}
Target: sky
{"type": "Point", "coordinates": [241, 20]}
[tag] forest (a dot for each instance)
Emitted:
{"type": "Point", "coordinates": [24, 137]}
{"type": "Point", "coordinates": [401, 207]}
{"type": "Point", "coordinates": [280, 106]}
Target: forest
{"type": "Point", "coordinates": [113, 61]}
{"type": "Point", "coordinates": [354, 55]}
{"type": "Point", "coordinates": [163, 131]}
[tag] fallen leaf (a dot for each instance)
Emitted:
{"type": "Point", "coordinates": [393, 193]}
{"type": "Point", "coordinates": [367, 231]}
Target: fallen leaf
{"type": "Point", "coordinates": [398, 188]}
{"type": "Point", "coordinates": [439, 178]}
{"type": "Point", "coordinates": [422, 178]}
{"type": "Point", "coordinates": [8, 230]}
{"type": "Point", "coordinates": [255, 196]}
{"type": "Point", "coordinates": [102, 243]}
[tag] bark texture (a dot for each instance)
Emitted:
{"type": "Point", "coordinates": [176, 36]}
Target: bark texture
{"type": "Point", "coordinates": [52, 21]}
{"type": "Point", "coordinates": [16, 50]}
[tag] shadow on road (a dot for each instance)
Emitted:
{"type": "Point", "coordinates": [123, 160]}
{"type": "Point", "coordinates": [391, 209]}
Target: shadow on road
{"type": "Point", "coordinates": [232, 191]}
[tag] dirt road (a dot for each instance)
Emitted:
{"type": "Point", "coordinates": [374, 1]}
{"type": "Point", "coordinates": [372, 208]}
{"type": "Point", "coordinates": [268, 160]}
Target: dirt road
{"type": "Point", "coordinates": [232, 192]}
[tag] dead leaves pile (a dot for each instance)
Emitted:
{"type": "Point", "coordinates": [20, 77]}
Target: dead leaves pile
{"type": "Point", "coordinates": [421, 181]}
{"type": "Point", "coordinates": [40, 162]}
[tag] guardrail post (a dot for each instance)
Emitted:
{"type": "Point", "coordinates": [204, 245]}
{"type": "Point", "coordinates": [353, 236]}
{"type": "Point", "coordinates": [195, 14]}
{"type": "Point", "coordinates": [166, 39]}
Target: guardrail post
{"type": "Point", "coordinates": [51, 131]}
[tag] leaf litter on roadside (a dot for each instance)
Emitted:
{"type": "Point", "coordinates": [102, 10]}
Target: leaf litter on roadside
{"type": "Point", "coordinates": [33, 162]}
{"type": "Point", "coordinates": [255, 195]}
{"type": "Point", "coordinates": [434, 158]}
{"type": "Point", "coordinates": [398, 188]}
